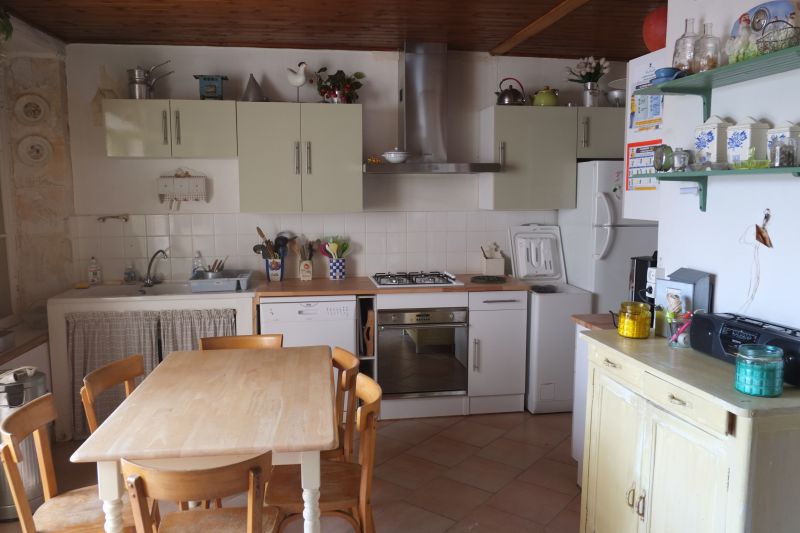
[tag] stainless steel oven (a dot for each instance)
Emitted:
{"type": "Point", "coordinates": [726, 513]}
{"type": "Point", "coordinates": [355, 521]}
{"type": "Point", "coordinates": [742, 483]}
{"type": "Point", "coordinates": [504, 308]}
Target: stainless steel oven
{"type": "Point", "coordinates": [422, 352]}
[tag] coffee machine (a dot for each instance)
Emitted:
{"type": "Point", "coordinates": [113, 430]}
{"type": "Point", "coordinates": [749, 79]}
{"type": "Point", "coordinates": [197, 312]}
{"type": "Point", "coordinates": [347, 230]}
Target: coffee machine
{"type": "Point", "coordinates": [642, 288]}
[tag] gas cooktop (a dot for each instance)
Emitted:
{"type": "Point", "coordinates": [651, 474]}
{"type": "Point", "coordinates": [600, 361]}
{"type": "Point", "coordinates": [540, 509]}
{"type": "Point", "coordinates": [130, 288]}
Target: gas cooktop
{"type": "Point", "coordinates": [414, 279]}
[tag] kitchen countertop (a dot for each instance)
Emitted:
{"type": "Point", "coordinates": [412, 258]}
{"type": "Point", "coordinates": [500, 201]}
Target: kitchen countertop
{"type": "Point", "coordinates": [131, 293]}
{"type": "Point", "coordinates": [595, 322]}
{"type": "Point", "coordinates": [363, 285]}
{"type": "Point", "coordinates": [25, 340]}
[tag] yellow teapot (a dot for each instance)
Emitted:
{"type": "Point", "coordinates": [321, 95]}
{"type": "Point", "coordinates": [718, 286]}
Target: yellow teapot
{"type": "Point", "coordinates": [546, 97]}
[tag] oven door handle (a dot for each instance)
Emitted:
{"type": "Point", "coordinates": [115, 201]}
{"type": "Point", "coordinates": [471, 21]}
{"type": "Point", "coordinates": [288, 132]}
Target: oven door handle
{"type": "Point", "coordinates": [426, 326]}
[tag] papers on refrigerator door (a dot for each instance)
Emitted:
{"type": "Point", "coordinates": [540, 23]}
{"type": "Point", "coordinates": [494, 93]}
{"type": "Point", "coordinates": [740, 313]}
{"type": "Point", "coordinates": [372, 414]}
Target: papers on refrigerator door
{"type": "Point", "coordinates": [646, 112]}
{"type": "Point", "coordinates": [639, 161]}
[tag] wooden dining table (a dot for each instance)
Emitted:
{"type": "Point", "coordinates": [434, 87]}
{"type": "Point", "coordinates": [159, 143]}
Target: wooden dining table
{"type": "Point", "coordinates": [217, 404]}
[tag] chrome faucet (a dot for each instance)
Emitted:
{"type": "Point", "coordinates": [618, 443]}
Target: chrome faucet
{"type": "Point", "coordinates": [149, 280]}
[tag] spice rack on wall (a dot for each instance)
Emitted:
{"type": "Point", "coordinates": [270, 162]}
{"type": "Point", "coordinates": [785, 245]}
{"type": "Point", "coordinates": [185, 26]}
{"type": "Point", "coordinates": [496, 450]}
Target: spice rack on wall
{"type": "Point", "coordinates": [703, 84]}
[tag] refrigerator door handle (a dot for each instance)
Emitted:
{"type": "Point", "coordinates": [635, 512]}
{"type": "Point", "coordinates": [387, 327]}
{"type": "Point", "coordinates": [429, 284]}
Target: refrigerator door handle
{"type": "Point", "coordinates": [604, 200]}
{"type": "Point", "coordinates": [607, 243]}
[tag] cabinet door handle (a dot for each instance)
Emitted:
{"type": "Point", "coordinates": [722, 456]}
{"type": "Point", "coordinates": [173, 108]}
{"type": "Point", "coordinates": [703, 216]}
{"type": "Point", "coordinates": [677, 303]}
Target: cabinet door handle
{"type": "Point", "coordinates": [178, 126]}
{"type": "Point", "coordinates": [296, 158]}
{"type": "Point", "coordinates": [164, 127]}
{"type": "Point", "coordinates": [500, 301]}
{"type": "Point", "coordinates": [308, 157]}
{"type": "Point", "coordinates": [585, 143]}
{"type": "Point", "coordinates": [630, 496]}
{"type": "Point", "coordinates": [640, 507]}
{"type": "Point", "coordinates": [610, 364]}
{"type": "Point", "coordinates": [476, 364]}
{"type": "Point", "coordinates": [677, 401]}
{"type": "Point", "coordinates": [502, 154]}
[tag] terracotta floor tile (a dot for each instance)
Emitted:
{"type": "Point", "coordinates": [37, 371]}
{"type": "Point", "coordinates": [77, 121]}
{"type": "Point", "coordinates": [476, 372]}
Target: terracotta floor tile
{"type": "Point", "coordinates": [442, 421]}
{"type": "Point", "coordinates": [552, 475]}
{"type": "Point", "coordinates": [534, 432]}
{"type": "Point", "coordinates": [566, 521]}
{"type": "Point", "coordinates": [448, 498]}
{"type": "Point", "coordinates": [386, 448]}
{"type": "Point", "coordinates": [384, 492]}
{"type": "Point", "coordinates": [402, 517]}
{"type": "Point", "coordinates": [563, 453]}
{"type": "Point", "coordinates": [443, 451]}
{"type": "Point", "coordinates": [513, 453]}
{"type": "Point", "coordinates": [504, 421]}
{"type": "Point", "coordinates": [487, 519]}
{"type": "Point", "coordinates": [472, 433]}
{"type": "Point", "coordinates": [575, 504]}
{"type": "Point", "coordinates": [560, 421]}
{"type": "Point", "coordinates": [330, 524]}
{"type": "Point", "coordinates": [408, 471]}
{"type": "Point", "coordinates": [532, 502]}
{"type": "Point", "coordinates": [483, 473]}
{"type": "Point", "coordinates": [409, 431]}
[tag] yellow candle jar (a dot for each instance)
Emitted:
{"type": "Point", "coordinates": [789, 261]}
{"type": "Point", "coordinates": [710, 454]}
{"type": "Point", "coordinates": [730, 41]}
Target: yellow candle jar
{"type": "Point", "coordinates": [634, 320]}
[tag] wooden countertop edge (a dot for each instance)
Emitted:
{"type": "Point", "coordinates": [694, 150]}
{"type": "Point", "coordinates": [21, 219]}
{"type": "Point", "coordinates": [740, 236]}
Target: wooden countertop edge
{"type": "Point", "coordinates": [363, 286]}
{"type": "Point", "coordinates": [594, 322]}
{"type": "Point", "coordinates": [20, 349]}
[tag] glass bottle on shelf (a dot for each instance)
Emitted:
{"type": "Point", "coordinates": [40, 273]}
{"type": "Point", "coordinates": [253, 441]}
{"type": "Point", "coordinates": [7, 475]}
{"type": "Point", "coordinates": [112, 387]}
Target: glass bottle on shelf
{"type": "Point", "coordinates": [684, 48]}
{"type": "Point", "coordinates": [706, 50]}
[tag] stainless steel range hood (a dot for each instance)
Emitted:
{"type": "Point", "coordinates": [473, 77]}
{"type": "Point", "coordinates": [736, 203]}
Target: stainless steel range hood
{"type": "Point", "coordinates": [422, 116]}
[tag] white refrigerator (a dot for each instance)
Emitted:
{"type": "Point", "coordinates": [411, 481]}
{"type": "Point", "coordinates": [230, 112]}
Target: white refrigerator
{"type": "Point", "coordinates": [598, 242]}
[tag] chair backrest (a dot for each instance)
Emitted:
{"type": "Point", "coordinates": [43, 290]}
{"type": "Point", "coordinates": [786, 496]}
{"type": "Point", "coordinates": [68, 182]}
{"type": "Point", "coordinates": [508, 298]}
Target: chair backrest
{"type": "Point", "coordinates": [370, 394]}
{"type": "Point", "coordinates": [32, 418]}
{"type": "Point", "coordinates": [274, 340]}
{"type": "Point", "coordinates": [98, 381]}
{"type": "Point", "coordinates": [347, 365]}
{"type": "Point", "coordinates": [146, 482]}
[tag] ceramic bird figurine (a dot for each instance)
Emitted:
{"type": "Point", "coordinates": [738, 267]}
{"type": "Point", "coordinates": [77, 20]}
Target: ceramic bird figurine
{"type": "Point", "coordinates": [298, 78]}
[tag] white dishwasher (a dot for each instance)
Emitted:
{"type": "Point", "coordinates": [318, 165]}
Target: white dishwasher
{"type": "Point", "coordinates": [311, 321]}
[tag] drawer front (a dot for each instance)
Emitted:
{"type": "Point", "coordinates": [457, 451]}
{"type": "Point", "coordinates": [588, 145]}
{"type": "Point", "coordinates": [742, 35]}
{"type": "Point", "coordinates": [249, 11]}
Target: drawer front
{"type": "Point", "coordinates": [686, 404]}
{"type": "Point", "coordinates": [488, 301]}
{"type": "Point", "coordinates": [616, 365]}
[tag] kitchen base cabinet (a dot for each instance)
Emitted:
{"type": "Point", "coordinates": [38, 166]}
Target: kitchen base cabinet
{"type": "Point", "coordinates": [671, 446]}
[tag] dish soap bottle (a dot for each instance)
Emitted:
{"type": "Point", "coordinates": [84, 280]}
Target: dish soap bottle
{"type": "Point", "coordinates": [197, 264]}
{"type": "Point", "coordinates": [129, 276]}
{"type": "Point", "coordinates": [95, 272]}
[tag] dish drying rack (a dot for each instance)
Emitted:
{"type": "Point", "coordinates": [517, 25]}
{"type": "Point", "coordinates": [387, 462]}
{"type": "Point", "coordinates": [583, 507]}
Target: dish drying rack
{"type": "Point", "coordinates": [182, 187]}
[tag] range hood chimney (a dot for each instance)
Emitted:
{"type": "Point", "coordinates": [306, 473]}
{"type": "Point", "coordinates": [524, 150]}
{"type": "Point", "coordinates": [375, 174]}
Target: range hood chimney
{"type": "Point", "coordinates": [422, 115]}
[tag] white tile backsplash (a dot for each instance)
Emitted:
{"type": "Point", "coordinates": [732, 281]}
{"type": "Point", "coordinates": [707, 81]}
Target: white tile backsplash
{"type": "Point", "coordinates": [380, 241]}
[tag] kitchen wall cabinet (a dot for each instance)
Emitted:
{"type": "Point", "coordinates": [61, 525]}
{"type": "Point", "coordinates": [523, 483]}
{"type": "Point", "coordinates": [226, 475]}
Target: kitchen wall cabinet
{"type": "Point", "coordinates": [537, 148]}
{"type": "Point", "coordinates": [671, 446]}
{"type": "Point", "coordinates": [295, 157]}
{"type": "Point", "coordinates": [170, 128]}
{"type": "Point", "coordinates": [497, 348]}
{"type": "Point", "coordinates": [601, 133]}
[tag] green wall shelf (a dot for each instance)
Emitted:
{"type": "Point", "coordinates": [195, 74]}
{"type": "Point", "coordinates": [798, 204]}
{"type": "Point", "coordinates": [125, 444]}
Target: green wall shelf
{"type": "Point", "coordinates": [700, 177]}
{"type": "Point", "coordinates": [703, 83]}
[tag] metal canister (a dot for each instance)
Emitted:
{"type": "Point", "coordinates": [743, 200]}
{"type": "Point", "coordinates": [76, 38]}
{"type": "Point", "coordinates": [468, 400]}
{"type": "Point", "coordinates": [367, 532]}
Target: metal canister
{"type": "Point", "coordinates": [139, 87]}
{"type": "Point", "coordinates": [26, 386]}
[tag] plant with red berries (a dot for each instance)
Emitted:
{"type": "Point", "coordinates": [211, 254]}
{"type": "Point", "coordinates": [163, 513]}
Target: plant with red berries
{"type": "Point", "coordinates": [339, 85]}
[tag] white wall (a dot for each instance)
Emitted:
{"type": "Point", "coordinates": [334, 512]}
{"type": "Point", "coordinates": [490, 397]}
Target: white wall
{"type": "Point", "coordinates": [710, 241]}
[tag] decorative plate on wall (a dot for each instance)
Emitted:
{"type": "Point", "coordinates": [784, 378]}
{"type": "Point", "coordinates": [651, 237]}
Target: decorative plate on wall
{"type": "Point", "coordinates": [31, 109]}
{"type": "Point", "coordinates": [34, 151]}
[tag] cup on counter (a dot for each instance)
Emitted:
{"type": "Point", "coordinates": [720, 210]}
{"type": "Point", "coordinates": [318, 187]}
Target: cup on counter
{"type": "Point", "coordinates": [274, 269]}
{"type": "Point", "coordinates": [336, 268]}
{"type": "Point", "coordinates": [306, 270]}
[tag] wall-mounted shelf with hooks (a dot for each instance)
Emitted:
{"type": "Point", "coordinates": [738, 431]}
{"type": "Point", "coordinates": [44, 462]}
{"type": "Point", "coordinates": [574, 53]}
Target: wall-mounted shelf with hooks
{"type": "Point", "coordinates": [703, 83]}
{"type": "Point", "coordinates": [700, 177]}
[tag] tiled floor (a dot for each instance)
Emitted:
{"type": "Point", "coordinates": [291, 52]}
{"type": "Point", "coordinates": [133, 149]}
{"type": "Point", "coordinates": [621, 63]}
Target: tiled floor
{"type": "Point", "coordinates": [504, 473]}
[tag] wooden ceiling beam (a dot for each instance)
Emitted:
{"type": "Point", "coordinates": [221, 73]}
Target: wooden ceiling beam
{"type": "Point", "coordinates": [537, 26]}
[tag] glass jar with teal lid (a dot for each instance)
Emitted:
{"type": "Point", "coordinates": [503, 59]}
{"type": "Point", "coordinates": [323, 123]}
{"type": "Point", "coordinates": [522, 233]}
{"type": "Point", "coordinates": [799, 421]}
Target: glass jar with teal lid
{"type": "Point", "coordinates": [759, 370]}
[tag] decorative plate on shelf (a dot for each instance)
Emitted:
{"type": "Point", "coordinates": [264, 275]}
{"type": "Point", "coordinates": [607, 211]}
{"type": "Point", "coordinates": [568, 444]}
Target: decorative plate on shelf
{"type": "Point", "coordinates": [31, 109]}
{"type": "Point", "coordinates": [34, 151]}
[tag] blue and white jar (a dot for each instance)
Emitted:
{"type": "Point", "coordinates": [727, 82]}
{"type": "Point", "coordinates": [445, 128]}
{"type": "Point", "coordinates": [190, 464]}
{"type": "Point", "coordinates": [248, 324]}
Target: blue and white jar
{"type": "Point", "coordinates": [336, 268]}
{"type": "Point", "coordinates": [747, 140]}
{"type": "Point", "coordinates": [710, 139]}
{"type": "Point", "coordinates": [781, 132]}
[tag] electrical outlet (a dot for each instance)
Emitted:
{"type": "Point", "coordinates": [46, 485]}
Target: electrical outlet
{"type": "Point", "coordinates": [652, 274]}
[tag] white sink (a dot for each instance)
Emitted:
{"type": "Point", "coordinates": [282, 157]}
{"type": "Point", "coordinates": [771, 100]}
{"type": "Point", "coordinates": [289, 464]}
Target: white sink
{"type": "Point", "coordinates": [127, 291]}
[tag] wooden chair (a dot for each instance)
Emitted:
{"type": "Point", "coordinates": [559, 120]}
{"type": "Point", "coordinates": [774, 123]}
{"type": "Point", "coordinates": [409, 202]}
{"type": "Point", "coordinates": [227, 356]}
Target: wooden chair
{"type": "Point", "coordinates": [274, 340]}
{"type": "Point", "coordinates": [345, 488]}
{"type": "Point", "coordinates": [147, 485]}
{"type": "Point", "coordinates": [98, 381]}
{"type": "Point", "coordinates": [76, 510]}
{"type": "Point", "coordinates": [347, 365]}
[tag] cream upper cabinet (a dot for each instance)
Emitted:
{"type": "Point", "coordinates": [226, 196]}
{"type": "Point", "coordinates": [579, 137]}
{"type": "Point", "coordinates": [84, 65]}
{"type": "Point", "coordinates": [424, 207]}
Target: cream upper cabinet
{"type": "Point", "coordinates": [536, 146]}
{"type": "Point", "coordinates": [269, 156]}
{"type": "Point", "coordinates": [203, 128]}
{"type": "Point", "coordinates": [601, 132]}
{"type": "Point", "coordinates": [299, 157]}
{"type": "Point", "coordinates": [612, 468]}
{"type": "Point", "coordinates": [331, 157]}
{"type": "Point", "coordinates": [137, 128]}
{"type": "Point", "coordinates": [170, 128]}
